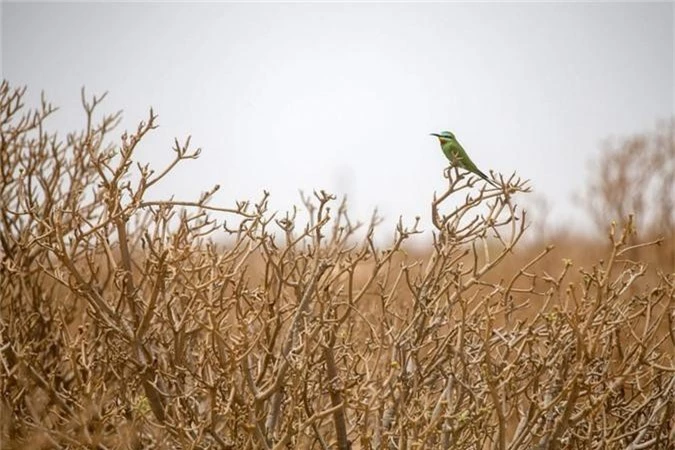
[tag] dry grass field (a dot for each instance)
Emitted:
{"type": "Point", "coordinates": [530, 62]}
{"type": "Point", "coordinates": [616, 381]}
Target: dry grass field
{"type": "Point", "coordinates": [125, 324]}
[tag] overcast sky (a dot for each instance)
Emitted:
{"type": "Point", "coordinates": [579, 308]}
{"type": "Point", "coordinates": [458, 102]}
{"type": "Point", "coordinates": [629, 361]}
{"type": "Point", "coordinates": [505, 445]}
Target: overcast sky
{"type": "Point", "coordinates": [342, 97]}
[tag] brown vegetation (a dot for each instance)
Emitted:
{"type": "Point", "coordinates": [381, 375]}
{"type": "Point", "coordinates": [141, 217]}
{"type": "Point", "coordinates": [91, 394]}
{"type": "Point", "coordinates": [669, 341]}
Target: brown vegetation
{"type": "Point", "coordinates": [123, 325]}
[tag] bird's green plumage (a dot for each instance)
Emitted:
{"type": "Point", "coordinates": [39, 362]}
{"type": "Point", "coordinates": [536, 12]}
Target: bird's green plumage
{"type": "Point", "coordinates": [456, 154]}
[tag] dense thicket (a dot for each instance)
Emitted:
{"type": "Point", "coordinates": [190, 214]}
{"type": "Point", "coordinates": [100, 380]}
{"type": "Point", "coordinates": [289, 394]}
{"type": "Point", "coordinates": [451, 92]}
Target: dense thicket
{"type": "Point", "coordinates": [124, 325]}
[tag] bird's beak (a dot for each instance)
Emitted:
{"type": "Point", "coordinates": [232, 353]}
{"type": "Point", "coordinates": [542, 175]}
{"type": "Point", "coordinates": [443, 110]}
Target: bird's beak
{"type": "Point", "coordinates": [434, 134]}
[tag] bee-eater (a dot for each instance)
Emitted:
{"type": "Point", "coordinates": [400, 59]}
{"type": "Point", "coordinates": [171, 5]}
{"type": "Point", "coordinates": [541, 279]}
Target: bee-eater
{"type": "Point", "coordinates": [454, 151]}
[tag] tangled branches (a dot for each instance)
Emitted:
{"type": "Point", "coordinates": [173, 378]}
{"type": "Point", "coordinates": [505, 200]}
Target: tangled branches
{"type": "Point", "coordinates": [124, 324]}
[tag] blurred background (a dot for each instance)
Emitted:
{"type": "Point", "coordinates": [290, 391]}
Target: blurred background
{"type": "Point", "coordinates": [342, 97]}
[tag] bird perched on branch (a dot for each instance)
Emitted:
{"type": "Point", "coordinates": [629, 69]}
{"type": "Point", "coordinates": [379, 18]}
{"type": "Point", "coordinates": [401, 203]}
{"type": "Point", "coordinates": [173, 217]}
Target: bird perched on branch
{"type": "Point", "coordinates": [454, 151]}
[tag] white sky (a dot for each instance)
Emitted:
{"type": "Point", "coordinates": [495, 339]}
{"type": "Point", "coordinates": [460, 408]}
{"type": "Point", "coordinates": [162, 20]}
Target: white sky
{"type": "Point", "coordinates": [342, 97]}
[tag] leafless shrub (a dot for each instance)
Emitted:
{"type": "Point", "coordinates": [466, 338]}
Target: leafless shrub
{"type": "Point", "coordinates": [636, 176]}
{"type": "Point", "coordinates": [124, 326]}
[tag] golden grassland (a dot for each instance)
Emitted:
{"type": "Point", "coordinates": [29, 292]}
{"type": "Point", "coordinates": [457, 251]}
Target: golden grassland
{"type": "Point", "coordinates": [124, 325]}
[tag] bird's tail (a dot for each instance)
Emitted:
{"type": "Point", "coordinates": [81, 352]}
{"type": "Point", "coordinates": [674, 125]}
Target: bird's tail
{"type": "Point", "coordinates": [485, 177]}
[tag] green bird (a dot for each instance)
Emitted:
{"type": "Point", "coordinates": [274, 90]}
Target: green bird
{"type": "Point", "coordinates": [456, 154]}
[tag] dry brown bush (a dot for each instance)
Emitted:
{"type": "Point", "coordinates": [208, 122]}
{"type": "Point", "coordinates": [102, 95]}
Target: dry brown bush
{"type": "Point", "coordinates": [122, 325]}
{"type": "Point", "coordinates": [636, 176]}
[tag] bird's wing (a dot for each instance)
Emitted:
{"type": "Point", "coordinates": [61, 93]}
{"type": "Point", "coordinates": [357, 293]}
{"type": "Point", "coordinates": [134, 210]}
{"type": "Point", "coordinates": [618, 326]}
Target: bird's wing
{"type": "Point", "coordinates": [465, 160]}
{"type": "Point", "coordinates": [468, 164]}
